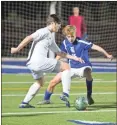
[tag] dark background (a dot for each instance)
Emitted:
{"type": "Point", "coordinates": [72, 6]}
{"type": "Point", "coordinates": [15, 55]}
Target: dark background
{"type": "Point", "coordinates": [20, 18]}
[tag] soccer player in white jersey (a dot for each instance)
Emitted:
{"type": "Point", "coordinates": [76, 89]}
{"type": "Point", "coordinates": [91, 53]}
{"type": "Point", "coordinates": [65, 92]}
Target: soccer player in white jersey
{"type": "Point", "coordinates": [78, 47]}
{"type": "Point", "coordinates": [43, 40]}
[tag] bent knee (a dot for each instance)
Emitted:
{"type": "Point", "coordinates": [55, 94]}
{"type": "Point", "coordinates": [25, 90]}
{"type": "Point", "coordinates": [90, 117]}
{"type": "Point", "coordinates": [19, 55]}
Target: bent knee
{"type": "Point", "coordinates": [87, 73]}
{"type": "Point", "coordinates": [64, 66]}
{"type": "Point", "coordinates": [40, 81]}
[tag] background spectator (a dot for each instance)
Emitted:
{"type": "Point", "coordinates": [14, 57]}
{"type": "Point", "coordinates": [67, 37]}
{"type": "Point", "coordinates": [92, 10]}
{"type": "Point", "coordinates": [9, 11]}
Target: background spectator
{"type": "Point", "coordinates": [78, 21]}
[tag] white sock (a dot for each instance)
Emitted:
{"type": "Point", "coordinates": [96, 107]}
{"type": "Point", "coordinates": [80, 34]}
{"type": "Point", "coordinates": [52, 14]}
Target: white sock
{"type": "Point", "coordinates": [66, 81]}
{"type": "Point", "coordinates": [31, 92]}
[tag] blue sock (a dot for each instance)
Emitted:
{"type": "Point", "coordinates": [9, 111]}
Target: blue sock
{"type": "Point", "coordinates": [24, 103]}
{"type": "Point", "coordinates": [47, 95]}
{"type": "Point", "coordinates": [65, 94]}
{"type": "Point", "coordinates": [89, 87]}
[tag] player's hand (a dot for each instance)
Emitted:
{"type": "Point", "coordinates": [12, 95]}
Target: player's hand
{"type": "Point", "coordinates": [14, 50]}
{"type": "Point", "coordinates": [110, 57]}
{"type": "Point", "coordinates": [79, 60]}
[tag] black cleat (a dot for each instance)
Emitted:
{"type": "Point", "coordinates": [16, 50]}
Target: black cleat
{"type": "Point", "coordinates": [90, 100]}
{"type": "Point", "coordinates": [26, 105]}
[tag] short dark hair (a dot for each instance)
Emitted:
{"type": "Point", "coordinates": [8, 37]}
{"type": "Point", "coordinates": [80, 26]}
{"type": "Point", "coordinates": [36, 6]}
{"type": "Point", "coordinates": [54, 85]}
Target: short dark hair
{"type": "Point", "coordinates": [53, 18]}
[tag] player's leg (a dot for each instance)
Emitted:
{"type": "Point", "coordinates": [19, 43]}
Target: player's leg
{"type": "Point", "coordinates": [52, 65]}
{"type": "Point", "coordinates": [66, 82]}
{"type": "Point", "coordinates": [89, 80]}
{"type": "Point", "coordinates": [86, 72]}
{"type": "Point", "coordinates": [49, 91]}
{"type": "Point", "coordinates": [55, 81]}
{"type": "Point", "coordinates": [34, 88]}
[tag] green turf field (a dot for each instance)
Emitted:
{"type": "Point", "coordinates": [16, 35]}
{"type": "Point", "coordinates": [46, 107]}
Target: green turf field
{"type": "Point", "coordinates": [14, 88]}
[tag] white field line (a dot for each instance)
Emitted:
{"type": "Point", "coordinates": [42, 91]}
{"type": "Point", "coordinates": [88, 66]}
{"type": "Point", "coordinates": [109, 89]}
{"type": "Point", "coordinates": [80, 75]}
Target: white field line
{"type": "Point", "coordinates": [97, 93]}
{"type": "Point", "coordinates": [48, 82]}
{"type": "Point", "coordinates": [52, 112]}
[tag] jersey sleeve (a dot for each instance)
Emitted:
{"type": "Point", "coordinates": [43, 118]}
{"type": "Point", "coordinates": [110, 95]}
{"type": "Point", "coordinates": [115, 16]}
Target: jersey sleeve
{"type": "Point", "coordinates": [39, 34]}
{"type": "Point", "coordinates": [62, 47]}
{"type": "Point", "coordinates": [88, 45]}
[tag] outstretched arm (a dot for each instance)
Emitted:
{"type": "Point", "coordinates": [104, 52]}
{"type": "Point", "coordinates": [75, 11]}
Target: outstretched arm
{"type": "Point", "coordinates": [65, 55]}
{"type": "Point", "coordinates": [62, 54]}
{"type": "Point", "coordinates": [100, 49]}
{"type": "Point", "coordinates": [22, 44]}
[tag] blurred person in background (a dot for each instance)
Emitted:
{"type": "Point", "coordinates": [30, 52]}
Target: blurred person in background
{"type": "Point", "coordinates": [78, 21]}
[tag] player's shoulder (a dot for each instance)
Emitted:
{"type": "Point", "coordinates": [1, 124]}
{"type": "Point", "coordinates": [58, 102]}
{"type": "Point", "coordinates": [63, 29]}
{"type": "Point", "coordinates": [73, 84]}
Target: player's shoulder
{"type": "Point", "coordinates": [64, 42]}
{"type": "Point", "coordinates": [81, 41]}
{"type": "Point", "coordinates": [43, 31]}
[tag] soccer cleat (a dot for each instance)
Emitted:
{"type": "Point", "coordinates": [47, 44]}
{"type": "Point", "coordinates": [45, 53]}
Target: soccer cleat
{"type": "Point", "coordinates": [44, 102]}
{"type": "Point", "coordinates": [90, 100]}
{"type": "Point", "coordinates": [65, 99]}
{"type": "Point", "coordinates": [25, 105]}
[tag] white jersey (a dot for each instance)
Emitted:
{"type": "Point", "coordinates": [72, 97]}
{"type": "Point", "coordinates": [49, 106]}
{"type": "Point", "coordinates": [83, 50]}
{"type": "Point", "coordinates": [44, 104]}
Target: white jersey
{"type": "Point", "coordinates": [43, 40]}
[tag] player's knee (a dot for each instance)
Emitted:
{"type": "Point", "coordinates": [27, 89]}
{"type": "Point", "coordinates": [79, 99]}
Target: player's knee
{"type": "Point", "coordinates": [65, 66]}
{"type": "Point", "coordinates": [87, 73]}
{"type": "Point", "coordinates": [40, 82]}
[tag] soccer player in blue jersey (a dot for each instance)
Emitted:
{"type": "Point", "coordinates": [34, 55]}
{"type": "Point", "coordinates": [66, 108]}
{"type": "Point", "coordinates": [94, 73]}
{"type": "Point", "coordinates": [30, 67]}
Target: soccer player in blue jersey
{"type": "Point", "coordinates": [79, 48]}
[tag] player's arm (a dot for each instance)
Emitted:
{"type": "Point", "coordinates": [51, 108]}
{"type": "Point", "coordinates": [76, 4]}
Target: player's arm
{"type": "Point", "coordinates": [100, 49]}
{"type": "Point", "coordinates": [39, 33]}
{"type": "Point", "coordinates": [63, 49]}
{"type": "Point", "coordinates": [65, 55]}
{"type": "Point", "coordinates": [62, 54]}
{"type": "Point", "coordinates": [26, 40]}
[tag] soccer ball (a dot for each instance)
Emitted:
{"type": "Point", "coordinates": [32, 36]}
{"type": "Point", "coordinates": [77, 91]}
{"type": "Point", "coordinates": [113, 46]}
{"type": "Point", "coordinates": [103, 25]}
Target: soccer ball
{"type": "Point", "coordinates": [81, 103]}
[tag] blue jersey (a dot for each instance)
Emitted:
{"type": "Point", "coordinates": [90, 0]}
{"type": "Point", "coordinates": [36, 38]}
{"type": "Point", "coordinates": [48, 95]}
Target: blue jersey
{"type": "Point", "coordinates": [78, 48]}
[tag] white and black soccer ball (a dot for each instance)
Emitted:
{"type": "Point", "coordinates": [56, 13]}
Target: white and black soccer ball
{"type": "Point", "coordinates": [81, 103]}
